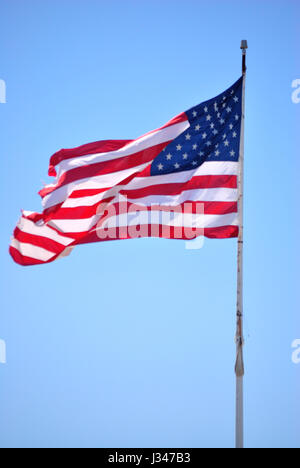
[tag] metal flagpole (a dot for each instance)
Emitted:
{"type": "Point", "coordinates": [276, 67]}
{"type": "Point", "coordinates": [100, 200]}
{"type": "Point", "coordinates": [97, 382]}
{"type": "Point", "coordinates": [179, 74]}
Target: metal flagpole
{"type": "Point", "coordinates": [239, 365]}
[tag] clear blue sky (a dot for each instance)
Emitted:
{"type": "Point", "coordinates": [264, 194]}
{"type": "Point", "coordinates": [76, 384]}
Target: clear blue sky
{"type": "Point", "coordinates": [131, 343]}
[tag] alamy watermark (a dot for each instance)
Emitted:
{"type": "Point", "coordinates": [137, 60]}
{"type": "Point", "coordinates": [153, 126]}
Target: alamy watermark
{"type": "Point", "coordinates": [2, 92]}
{"type": "Point", "coordinates": [2, 352]}
{"type": "Point", "coordinates": [296, 352]}
{"type": "Point", "coordinates": [296, 93]}
{"type": "Point", "coordinates": [127, 220]}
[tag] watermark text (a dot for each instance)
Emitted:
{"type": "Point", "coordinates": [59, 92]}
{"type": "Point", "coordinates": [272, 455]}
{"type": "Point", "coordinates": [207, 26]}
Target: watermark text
{"type": "Point", "coordinates": [2, 92]}
{"type": "Point", "coordinates": [124, 219]}
{"type": "Point", "coordinates": [2, 352]}
{"type": "Point", "coordinates": [296, 93]}
{"type": "Point", "coordinates": [296, 352]}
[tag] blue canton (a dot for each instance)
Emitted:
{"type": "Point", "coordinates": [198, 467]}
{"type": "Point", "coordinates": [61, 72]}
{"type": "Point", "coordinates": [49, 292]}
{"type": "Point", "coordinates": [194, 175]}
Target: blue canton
{"type": "Point", "coordinates": [213, 135]}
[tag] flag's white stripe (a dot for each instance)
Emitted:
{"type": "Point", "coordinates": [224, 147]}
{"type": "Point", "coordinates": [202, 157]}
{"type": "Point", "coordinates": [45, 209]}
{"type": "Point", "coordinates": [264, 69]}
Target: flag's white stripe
{"type": "Point", "coordinates": [74, 225]}
{"type": "Point", "coordinates": [210, 195]}
{"type": "Point", "coordinates": [29, 227]}
{"type": "Point", "coordinates": [32, 251]}
{"type": "Point", "coordinates": [188, 220]}
{"type": "Point", "coordinates": [98, 182]}
{"type": "Point", "coordinates": [140, 144]}
{"type": "Point", "coordinates": [207, 168]}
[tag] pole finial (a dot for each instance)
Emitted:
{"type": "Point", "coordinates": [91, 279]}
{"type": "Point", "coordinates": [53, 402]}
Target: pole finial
{"type": "Point", "coordinates": [244, 47]}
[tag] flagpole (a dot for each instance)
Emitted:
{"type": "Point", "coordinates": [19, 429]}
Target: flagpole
{"type": "Point", "coordinates": [239, 365]}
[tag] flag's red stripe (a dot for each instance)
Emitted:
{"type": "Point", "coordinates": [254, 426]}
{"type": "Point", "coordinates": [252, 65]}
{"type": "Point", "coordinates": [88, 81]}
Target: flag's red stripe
{"type": "Point", "coordinates": [222, 232]}
{"type": "Point", "coordinates": [87, 192]}
{"type": "Point", "coordinates": [197, 182]}
{"type": "Point", "coordinates": [103, 146]}
{"type": "Point", "coordinates": [86, 212]}
{"type": "Point", "coordinates": [39, 241]}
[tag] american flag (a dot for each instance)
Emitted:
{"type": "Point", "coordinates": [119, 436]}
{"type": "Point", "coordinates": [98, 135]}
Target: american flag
{"type": "Point", "coordinates": [179, 181]}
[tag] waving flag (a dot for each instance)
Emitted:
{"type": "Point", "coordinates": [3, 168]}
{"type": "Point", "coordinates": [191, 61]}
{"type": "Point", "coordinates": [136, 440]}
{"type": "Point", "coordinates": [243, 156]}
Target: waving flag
{"type": "Point", "coordinates": [177, 182]}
